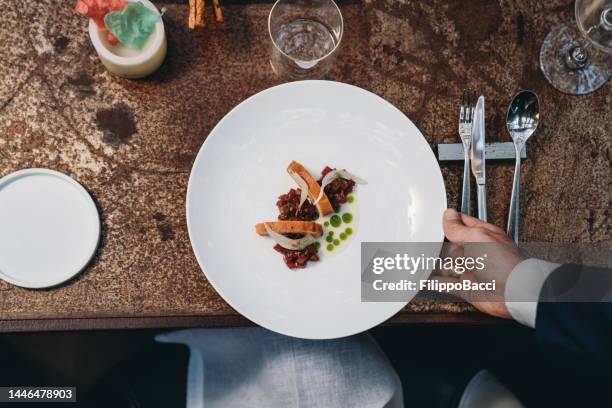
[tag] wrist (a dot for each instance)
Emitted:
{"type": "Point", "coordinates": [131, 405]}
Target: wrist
{"type": "Point", "coordinates": [523, 288]}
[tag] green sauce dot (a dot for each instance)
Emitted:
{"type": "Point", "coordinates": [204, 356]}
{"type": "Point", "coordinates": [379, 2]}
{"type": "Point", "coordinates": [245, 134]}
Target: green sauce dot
{"type": "Point", "coordinates": [336, 242]}
{"type": "Point", "coordinates": [350, 198]}
{"type": "Point", "coordinates": [330, 247]}
{"type": "Point", "coordinates": [347, 217]}
{"type": "Point", "coordinates": [329, 238]}
{"type": "Point", "coordinates": [348, 231]}
{"type": "Point", "coordinates": [318, 245]}
{"type": "Point", "coordinates": [331, 233]}
{"type": "Point", "coordinates": [326, 224]}
{"type": "Point", "coordinates": [343, 236]}
{"type": "Point", "coordinates": [335, 220]}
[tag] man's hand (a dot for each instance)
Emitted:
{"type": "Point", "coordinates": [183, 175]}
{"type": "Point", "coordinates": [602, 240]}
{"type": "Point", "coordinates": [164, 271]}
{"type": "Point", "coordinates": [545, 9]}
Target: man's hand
{"type": "Point", "coordinates": [461, 229]}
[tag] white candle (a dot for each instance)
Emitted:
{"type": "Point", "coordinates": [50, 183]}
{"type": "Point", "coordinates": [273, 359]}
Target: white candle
{"type": "Point", "coordinates": [128, 62]}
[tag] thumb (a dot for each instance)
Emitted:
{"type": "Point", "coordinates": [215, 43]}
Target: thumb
{"type": "Point", "coordinates": [454, 228]}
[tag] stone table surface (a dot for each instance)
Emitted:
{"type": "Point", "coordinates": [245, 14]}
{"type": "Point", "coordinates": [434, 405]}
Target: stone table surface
{"type": "Point", "coordinates": [131, 143]}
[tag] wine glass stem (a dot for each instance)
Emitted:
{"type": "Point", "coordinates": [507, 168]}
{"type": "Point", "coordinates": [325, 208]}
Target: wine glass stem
{"type": "Point", "coordinates": [578, 56]}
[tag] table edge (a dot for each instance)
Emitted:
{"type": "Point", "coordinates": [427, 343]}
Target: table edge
{"type": "Point", "coordinates": [179, 322]}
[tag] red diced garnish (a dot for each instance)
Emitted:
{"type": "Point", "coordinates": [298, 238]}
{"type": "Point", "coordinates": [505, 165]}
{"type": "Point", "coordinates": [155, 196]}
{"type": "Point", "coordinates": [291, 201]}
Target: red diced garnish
{"type": "Point", "coordinates": [298, 259]}
{"type": "Point", "coordinates": [326, 170]}
{"type": "Point", "coordinates": [338, 190]}
{"type": "Point", "coordinates": [288, 207]}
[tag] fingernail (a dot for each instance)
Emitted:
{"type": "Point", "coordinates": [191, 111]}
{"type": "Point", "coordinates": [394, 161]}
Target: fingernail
{"type": "Point", "coordinates": [451, 214]}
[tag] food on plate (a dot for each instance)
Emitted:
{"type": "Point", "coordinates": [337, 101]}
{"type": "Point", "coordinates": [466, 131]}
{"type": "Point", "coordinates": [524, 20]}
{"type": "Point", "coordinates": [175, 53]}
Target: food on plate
{"type": "Point", "coordinates": [290, 227]}
{"type": "Point", "coordinates": [335, 220]}
{"type": "Point", "coordinates": [337, 185]}
{"type": "Point", "coordinates": [296, 232]}
{"type": "Point", "coordinates": [298, 259]}
{"type": "Point", "coordinates": [295, 242]}
{"type": "Point", "coordinates": [297, 249]}
{"type": "Point", "coordinates": [289, 207]}
{"type": "Point", "coordinates": [314, 189]}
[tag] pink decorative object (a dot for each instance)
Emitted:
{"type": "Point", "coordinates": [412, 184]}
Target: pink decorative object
{"type": "Point", "coordinates": [97, 9]}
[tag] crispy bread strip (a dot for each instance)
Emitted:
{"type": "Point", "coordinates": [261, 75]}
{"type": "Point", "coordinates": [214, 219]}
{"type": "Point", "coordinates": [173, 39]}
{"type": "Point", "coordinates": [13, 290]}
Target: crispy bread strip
{"type": "Point", "coordinates": [192, 14]}
{"type": "Point", "coordinates": [324, 206]}
{"type": "Point", "coordinates": [218, 12]}
{"type": "Point", "coordinates": [291, 227]}
{"type": "Point", "coordinates": [199, 14]}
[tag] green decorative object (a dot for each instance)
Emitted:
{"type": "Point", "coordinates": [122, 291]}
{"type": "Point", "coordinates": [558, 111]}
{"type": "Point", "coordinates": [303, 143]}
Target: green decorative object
{"type": "Point", "coordinates": [133, 25]}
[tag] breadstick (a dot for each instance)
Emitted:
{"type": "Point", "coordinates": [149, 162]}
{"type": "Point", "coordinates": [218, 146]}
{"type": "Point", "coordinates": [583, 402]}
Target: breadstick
{"type": "Point", "coordinates": [218, 12]}
{"type": "Point", "coordinates": [192, 14]}
{"type": "Point", "coordinates": [199, 17]}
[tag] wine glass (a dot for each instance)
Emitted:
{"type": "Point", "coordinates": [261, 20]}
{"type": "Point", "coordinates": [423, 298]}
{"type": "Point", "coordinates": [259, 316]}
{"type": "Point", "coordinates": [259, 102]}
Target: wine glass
{"type": "Point", "coordinates": [577, 59]}
{"type": "Point", "coordinates": [305, 37]}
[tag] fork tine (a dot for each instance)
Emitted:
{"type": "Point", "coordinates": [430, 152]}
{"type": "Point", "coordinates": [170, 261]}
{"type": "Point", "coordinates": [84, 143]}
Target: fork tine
{"type": "Point", "coordinates": [472, 104]}
{"type": "Point", "coordinates": [462, 108]}
{"type": "Point", "coordinates": [467, 106]}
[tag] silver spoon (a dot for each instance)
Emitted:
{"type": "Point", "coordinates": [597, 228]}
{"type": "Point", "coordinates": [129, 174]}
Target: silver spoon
{"type": "Point", "coordinates": [522, 120]}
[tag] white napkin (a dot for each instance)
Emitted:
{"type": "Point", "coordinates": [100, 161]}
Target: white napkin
{"type": "Point", "coordinates": [254, 367]}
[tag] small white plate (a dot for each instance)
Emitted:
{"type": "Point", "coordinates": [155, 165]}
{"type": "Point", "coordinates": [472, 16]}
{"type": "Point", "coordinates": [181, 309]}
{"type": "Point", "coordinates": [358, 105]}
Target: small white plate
{"type": "Point", "coordinates": [49, 228]}
{"type": "Point", "coordinates": [241, 170]}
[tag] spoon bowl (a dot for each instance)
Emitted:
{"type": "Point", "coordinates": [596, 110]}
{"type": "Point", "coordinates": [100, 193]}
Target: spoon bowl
{"type": "Point", "coordinates": [522, 121]}
{"type": "Point", "coordinates": [523, 116]}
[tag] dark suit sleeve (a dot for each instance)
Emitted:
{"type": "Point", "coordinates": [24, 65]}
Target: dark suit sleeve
{"type": "Point", "coordinates": [574, 316]}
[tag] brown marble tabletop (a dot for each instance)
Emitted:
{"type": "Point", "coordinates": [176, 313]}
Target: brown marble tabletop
{"type": "Point", "coordinates": [131, 143]}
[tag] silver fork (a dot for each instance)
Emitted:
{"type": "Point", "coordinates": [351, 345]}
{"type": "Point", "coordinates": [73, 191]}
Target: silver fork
{"type": "Point", "coordinates": [466, 117]}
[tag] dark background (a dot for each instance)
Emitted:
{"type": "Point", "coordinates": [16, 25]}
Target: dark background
{"type": "Point", "coordinates": [128, 369]}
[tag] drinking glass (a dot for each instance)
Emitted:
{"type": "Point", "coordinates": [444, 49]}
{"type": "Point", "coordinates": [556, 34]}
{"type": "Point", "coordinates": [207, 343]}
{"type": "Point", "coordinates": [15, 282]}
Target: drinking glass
{"type": "Point", "coordinates": [576, 59]}
{"type": "Point", "coordinates": [305, 37]}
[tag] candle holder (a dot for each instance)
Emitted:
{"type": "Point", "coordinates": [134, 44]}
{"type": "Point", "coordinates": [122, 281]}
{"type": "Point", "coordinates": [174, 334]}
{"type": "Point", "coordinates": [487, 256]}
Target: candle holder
{"type": "Point", "coordinates": [131, 63]}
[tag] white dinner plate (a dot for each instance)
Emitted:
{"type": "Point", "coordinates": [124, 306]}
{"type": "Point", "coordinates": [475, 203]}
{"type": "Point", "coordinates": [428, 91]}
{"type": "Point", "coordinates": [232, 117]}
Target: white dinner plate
{"type": "Point", "coordinates": [49, 228]}
{"type": "Point", "coordinates": [241, 170]}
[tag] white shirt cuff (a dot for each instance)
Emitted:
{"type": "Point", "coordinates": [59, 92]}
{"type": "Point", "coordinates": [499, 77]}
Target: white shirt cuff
{"type": "Point", "coordinates": [523, 289]}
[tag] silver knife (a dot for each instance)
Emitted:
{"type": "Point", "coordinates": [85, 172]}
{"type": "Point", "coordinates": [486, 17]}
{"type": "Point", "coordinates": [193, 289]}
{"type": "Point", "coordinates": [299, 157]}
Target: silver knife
{"type": "Point", "coordinates": [477, 157]}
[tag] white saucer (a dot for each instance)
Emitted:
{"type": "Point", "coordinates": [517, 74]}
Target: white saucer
{"type": "Point", "coordinates": [49, 228]}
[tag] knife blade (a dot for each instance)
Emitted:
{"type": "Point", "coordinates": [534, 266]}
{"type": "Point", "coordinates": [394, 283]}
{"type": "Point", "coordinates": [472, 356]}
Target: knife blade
{"type": "Point", "coordinates": [477, 157]}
